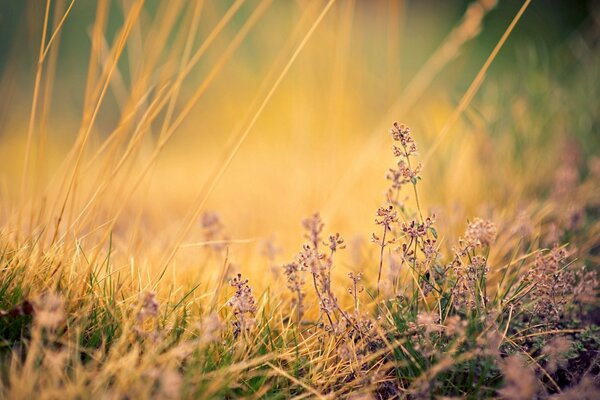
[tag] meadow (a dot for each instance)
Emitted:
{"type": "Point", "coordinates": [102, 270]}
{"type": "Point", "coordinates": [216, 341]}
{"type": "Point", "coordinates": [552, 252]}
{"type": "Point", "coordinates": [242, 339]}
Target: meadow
{"type": "Point", "coordinates": [299, 199]}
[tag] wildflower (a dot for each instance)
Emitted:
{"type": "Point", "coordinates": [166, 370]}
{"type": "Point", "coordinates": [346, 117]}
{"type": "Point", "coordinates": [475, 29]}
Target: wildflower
{"type": "Point", "coordinates": [336, 242]}
{"type": "Point", "coordinates": [386, 217]}
{"type": "Point", "coordinates": [424, 283]}
{"type": "Point", "coordinates": [49, 311]}
{"type": "Point", "coordinates": [294, 272]}
{"type": "Point", "coordinates": [309, 260]}
{"type": "Point", "coordinates": [313, 226]}
{"type": "Point", "coordinates": [401, 133]}
{"type": "Point", "coordinates": [430, 250]}
{"type": "Point", "coordinates": [480, 233]}
{"type": "Point", "coordinates": [243, 305]}
{"type": "Point", "coordinates": [149, 307]}
{"type": "Point", "coordinates": [470, 281]}
{"type": "Point", "coordinates": [416, 230]}
{"type": "Point", "coordinates": [403, 173]}
{"type": "Point", "coordinates": [552, 284]}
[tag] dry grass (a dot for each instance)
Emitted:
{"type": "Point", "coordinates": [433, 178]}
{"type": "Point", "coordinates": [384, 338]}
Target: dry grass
{"type": "Point", "coordinates": [469, 271]}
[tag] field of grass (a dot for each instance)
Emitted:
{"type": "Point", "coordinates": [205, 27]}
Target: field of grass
{"type": "Point", "coordinates": [213, 199]}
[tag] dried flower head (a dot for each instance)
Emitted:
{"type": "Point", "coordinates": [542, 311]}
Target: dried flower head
{"type": "Point", "coordinates": [480, 233]}
{"type": "Point", "coordinates": [552, 285]}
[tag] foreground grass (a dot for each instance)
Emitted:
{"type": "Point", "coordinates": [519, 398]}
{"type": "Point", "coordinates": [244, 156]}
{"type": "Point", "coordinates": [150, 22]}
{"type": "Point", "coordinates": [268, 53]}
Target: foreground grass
{"type": "Point", "coordinates": [475, 322]}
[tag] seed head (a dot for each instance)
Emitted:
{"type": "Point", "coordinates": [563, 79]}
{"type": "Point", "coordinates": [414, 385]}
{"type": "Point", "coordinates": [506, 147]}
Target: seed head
{"type": "Point", "coordinates": [386, 216]}
{"type": "Point", "coordinates": [480, 233]}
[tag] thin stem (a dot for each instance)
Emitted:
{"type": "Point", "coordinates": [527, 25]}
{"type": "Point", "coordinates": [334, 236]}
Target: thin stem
{"type": "Point", "coordinates": [321, 300]}
{"type": "Point", "coordinates": [355, 297]}
{"type": "Point", "coordinates": [385, 229]}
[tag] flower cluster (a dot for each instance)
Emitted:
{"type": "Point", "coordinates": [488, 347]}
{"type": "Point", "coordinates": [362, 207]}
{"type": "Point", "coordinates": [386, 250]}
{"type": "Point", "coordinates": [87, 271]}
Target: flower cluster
{"type": "Point", "coordinates": [415, 229]}
{"type": "Point", "coordinates": [403, 173]}
{"type": "Point", "coordinates": [386, 216]}
{"type": "Point", "coordinates": [401, 133]}
{"type": "Point", "coordinates": [468, 290]}
{"type": "Point", "coordinates": [336, 242]}
{"type": "Point", "coordinates": [294, 273]}
{"type": "Point", "coordinates": [243, 305]}
{"type": "Point", "coordinates": [480, 233]}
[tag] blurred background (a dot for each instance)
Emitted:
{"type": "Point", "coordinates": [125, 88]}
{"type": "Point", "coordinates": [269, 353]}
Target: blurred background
{"type": "Point", "coordinates": [148, 114]}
